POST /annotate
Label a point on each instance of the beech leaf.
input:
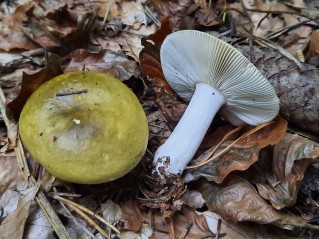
(237, 200)
(241, 155)
(291, 157)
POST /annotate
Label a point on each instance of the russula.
(212, 75)
(84, 127)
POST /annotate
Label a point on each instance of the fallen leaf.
(13, 224)
(10, 30)
(241, 155)
(10, 173)
(37, 225)
(60, 30)
(150, 55)
(114, 64)
(30, 83)
(177, 11)
(291, 157)
(237, 200)
(313, 51)
(112, 212)
(171, 106)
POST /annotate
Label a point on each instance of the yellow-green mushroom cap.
(84, 127)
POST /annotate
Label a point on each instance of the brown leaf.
(30, 83)
(242, 154)
(150, 55)
(313, 51)
(291, 158)
(237, 200)
(10, 33)
(38, 33)
(136, 216)
(12, 227)
(171, 106)
(117, 65)
(60, 30)
(176, 10)
(10, 173)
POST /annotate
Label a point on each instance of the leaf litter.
(263, 177)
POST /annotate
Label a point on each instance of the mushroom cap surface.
(84, 127)
(189, 57)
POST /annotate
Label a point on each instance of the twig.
(88, 211)
(108, 8)
(274, 12)
(186, 231)
(257, 128)
(218, 228)
(150, 14)
(40, 197)
(251, 24)
(74, 219)
(219, 144)
(72, 93)
(88, 219)
(171, 228)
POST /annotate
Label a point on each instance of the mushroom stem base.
(175, 154)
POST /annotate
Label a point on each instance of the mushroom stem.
(184, 141)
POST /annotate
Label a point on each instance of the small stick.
(88, 211)
(72, 93)
(186, 231)
(229, 146)
(88, 219)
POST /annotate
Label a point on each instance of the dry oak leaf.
(241, 155)
(237, 200)
(291, 157)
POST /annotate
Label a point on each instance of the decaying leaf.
(12, 227)
(176, 10)
(237, 200)
(150, 55)
(187, 222)
(291, 158)
(241, 155)
(9, 172)
(171, 106)
(30, 83)
(60, 29)
(10, 30)
(312, 55)
(37, 225)
(114, 64)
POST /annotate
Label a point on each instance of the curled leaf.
(241, 155)
(114, 64)
(237, 200)
(291, 157)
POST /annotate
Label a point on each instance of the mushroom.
(84, 127)
(212, 75)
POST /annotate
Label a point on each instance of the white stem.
(184, 141)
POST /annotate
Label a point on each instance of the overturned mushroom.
(212, 75)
